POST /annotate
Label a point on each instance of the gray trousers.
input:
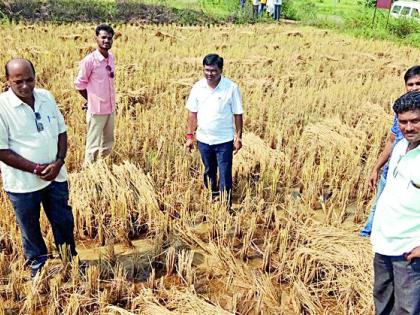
(100, 136)
(397, 286)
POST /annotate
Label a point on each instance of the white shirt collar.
(221, 84)
(16, 101)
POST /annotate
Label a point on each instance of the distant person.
(263, 4)
(33, 147)
(96, 83)
(412, 83)
(242, 3)
(215, 112)
(255, 8)
(396, 227)
(270, 7)
(277, 9)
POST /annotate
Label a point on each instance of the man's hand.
(39, 168)
(237, 145)
(373, 179)
(51, 171)
(415, 252)
(189, 144)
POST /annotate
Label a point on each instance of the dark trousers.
(242, 2)
(397, 286)
(27, 206)
(218, 156)
(255, 9)
(277, 11)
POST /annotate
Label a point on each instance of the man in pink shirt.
(95, 82)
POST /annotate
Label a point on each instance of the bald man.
(33, 147)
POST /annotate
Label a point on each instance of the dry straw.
(317, 110)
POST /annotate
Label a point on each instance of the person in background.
(411, 83)
(270, 7)
(242, 3)
(255, 8)
(96, 83)
(263, 4)
(277, 9)
(215, 112)
(396, 227)
(33, 148)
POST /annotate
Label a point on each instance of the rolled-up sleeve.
(4, 135)
(237, 108)
(82, 79)
(192, 102)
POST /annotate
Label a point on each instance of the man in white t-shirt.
(255, 8)
(277, 9)
(215, 114)
(396, 226)
(33, 147)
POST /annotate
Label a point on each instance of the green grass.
(336, 7)
(216, 8)
(225, 8)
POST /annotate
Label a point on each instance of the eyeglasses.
(110, 72)
(39, 125)
(28, 81)
(413, 84)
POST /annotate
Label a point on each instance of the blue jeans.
(396, 285)
(262, 8)
(255, 9)
(27, 206)
(242, 4)
(367, 229)
(218, 156)
(277, 11)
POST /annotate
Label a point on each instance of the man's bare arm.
(383, 158)
(84, 94)
(14, 160)
(237, 144)
(53, 169)
(191, 127)
(238, 125)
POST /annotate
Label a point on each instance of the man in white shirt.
(33, 146)
(255, 8)
(215, 112)
(277, 9)
(396, 225)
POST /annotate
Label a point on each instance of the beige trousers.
(100, 136)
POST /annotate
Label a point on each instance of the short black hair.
(213, 60)
(104, 27)
(412, 72)
(6, 66)
(409, 101)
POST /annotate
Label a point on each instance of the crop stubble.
(318, 107)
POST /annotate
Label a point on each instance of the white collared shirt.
(215, 109)
(19, 133)
(396, 225)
